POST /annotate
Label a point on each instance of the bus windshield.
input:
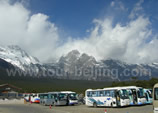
(73, 96)
(141, 93)
(156, 94)
(124, 94)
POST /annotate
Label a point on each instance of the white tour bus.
(35, 98)
(32, 97)
(113, 97)
(45, 99)
(136, 95)
(155, 98)
(53, 98)
(72, 97)
(27, 97)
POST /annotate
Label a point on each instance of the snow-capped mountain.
(108, 69)
(76, 65)
(16, 56)
(75, 59)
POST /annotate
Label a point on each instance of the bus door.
(62, 99)
(131, 97)
(118, 98)
(135, 98)
(147, 96)
(55, 99)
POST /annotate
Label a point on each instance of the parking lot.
(36, 108)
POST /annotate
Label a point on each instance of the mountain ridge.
(77, 66)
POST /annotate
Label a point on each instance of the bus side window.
(45, 96)
(138, 93)
(104, 93)
(130, 93)
(100, 93)
(49, 96)
(94, 93)
(107, 93)
(112, 93)
(52, 96)
(97, 93)
(88, 94)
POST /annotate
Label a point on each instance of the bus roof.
(68, 92)
(93, 89)
(116, 88)
(54, 92)
(131, 87)
(41, 93)
(110, 88)
(156, 85)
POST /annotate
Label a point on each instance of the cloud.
(34, 33)
(112, 4)
(127, 43)
(136, 10)
(40, 37)
(117, 5)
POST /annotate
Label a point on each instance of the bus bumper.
(155, 110)
(37, 101)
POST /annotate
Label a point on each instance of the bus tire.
(112, 106)
(95, 105)
(44, 104)
(53, 104)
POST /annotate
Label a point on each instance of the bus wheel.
(94, 104)
(44, 104)
(53, 104)
(112, 106)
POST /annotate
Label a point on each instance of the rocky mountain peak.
(73, 53)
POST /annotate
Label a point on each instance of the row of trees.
(135, 82)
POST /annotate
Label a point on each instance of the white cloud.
(118, 5)
(112, 4)
(137, 8)
(40, 37)
(34, 33)
(127, 43)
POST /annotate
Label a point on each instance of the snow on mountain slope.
(17, 57)
(73, 61)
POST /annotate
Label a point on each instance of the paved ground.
(17, 108)
(35, 108)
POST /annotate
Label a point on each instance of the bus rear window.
(156, 93)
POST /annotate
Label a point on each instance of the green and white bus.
(136, 95)
(113, 97)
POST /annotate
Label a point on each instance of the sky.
(106, 29)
